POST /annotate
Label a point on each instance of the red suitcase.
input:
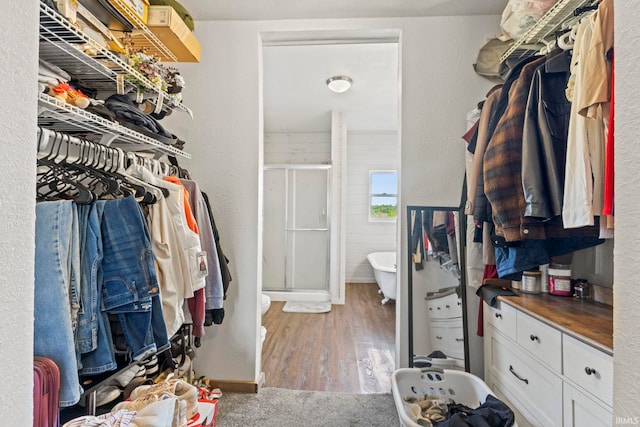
(46, 389)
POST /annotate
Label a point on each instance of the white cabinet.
(448, 337)
(446, 307)
(503, 318)
(532, 389)
(581, 410)
(546, 376)
(541, 341)
(445, 324)
(588, 368)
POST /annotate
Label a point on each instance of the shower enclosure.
(296, 236)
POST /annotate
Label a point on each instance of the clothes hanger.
(583, 9)
(89, 175)
(44, 173)
(127, 173)
(547, 48)
(62, 184)
(57, 179)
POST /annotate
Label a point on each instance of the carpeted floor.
(278, 407)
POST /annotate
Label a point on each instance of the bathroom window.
(383, 195)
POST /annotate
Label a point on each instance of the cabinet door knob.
(534, 337)
(446, 306)
(459, 303)
(438, 308)
(438, 338)
(459, 339)
(498, 316)
(524, 380)
(589, 370)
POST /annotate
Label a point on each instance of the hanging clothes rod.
(60, 147)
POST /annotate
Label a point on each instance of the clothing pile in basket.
(540, 154)
(135, 264)
(434, 411)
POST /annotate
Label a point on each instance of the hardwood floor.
(350, 349)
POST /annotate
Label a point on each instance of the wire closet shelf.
(62, 117)
(59, 44)
(559, 17)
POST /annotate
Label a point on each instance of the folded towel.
(490, 293)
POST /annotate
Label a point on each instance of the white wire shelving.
(559, 17)
(61, 43)
(57, 115)
(142, 35)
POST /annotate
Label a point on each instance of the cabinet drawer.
(503, 318)
(447, 307)
(504, 394)
(580, 410)
(448, 337)
(591, 369)
(540, 340)
(537, 388)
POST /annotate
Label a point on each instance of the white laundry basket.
(442, 363)
(459, 386)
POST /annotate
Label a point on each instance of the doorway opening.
(319, 149)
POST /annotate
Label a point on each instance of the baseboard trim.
(233, 386)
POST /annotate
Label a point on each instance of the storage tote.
(459, 386)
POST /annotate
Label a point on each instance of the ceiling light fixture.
(339, 84)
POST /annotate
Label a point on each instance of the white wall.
(438, 87)
(18, 72)
(367, 151)
(626, 392)
(297, 147)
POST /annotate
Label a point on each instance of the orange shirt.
(191, 221)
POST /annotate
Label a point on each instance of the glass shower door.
(296, 228)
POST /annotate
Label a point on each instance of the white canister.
(516, 284)
(531, 282)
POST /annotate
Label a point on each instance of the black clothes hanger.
(63, 186)
(90, 177)
(181, 173)
(56, 182)
(583, 9)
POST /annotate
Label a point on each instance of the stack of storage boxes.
(167, 25)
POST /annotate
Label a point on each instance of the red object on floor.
(46, 390)
(206, 416)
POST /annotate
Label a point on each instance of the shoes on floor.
(151, 365)
(181, 389)
(104, 395)
(127, 375)
(135, 383)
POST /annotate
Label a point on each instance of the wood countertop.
(587, 321)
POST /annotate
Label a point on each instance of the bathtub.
(384, 269)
